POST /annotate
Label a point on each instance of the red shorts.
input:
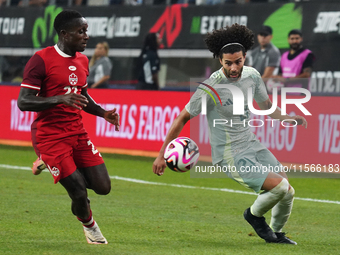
(63, 156)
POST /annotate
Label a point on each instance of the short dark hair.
(266, 30)
(240, 37)
(295, 32)
(64, 19)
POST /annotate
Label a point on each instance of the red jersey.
(51, 72)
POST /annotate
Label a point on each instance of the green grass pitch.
(141, 218)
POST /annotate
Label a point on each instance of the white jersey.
(235, 136)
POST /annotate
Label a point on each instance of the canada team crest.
(73, 79)
(54, 170)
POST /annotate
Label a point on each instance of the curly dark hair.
(150, 42)
(230, 34)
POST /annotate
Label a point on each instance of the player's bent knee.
(282, 188)
(103, 189)
(291, 192)
(78, 195)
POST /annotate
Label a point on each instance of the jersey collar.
(60, 52)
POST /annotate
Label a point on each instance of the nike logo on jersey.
(72, 68)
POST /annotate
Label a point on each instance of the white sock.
(268, 199)
(281, 211)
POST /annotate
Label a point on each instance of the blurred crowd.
(25, 3)
(265, 58)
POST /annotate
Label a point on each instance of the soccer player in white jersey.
(236, 145)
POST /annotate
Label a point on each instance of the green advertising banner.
(181, 26)
(184, 26)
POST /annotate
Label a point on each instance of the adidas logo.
(229, 102)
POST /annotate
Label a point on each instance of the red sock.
(89, 222)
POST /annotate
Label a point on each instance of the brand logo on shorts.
(73, 79)
(72, 68)
(54, 171)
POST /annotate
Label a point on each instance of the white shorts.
(250, 168)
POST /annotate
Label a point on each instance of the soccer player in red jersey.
(55, 86)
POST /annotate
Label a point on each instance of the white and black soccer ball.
(181, 154)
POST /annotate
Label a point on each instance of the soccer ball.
(181, 154)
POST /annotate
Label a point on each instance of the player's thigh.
(97, 178)
(90, 163)
(268, 160)
(272, 180)
(75, 185)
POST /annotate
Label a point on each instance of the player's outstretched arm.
(29, 101)
(174, 131)
(266, 105)
(300, 120)
(93, 108)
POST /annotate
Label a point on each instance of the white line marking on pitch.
(184, 186)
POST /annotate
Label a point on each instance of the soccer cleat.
(38, 166)
(93, 235)
(281, 238)
(260, 226)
